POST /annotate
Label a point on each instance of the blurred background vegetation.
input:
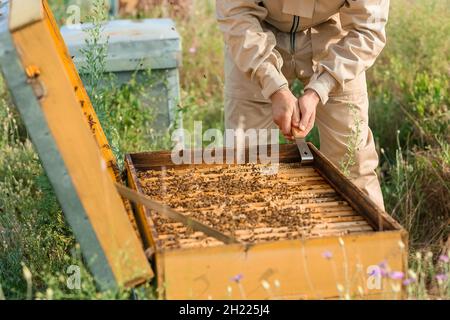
(409, 95)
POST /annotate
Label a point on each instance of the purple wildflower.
(444, 258)
(441, 277)
(383, 268)
(376, 272)
(408, 281)
(237, 278)
(327, 255)
(396, 275)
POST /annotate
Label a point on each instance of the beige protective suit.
(328, 45)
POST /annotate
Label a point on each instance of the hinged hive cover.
(55, 109)
(132, 44)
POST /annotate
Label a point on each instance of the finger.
(285, 125)
(290, 138)
(312, 119)
(299, 133)
(276, 121)
(305, 118)
(296, 116)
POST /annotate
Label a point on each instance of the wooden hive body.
(344, 223)
(276, 263)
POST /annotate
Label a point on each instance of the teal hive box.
(136, 46)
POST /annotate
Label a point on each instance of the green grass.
(409, 116)
(409, 90)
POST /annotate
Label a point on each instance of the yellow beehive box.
(317, 234)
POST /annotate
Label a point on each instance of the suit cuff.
(270, 79)
(322, 84)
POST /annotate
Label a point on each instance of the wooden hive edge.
(14, 56)
(378, 218)
(336, 244)
(148, 232)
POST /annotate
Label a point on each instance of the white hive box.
(138, 46)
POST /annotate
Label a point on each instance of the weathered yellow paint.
(86, 105)
(81, 94)
(297, 266)
(41, 48)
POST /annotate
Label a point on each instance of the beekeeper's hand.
(307, 104)
(285, 111)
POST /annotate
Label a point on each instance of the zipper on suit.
(293, 36)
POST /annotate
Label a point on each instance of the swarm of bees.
(239, 200)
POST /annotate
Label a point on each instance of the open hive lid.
(64, 128)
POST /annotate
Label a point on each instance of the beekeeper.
(326, 44)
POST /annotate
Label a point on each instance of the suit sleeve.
(251, 48)
(364, 21)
